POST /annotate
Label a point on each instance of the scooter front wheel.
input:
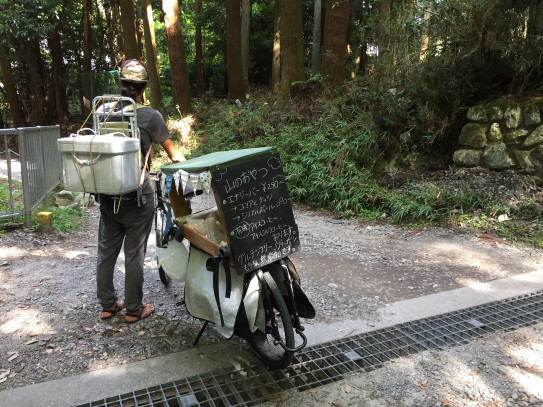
(274, 346)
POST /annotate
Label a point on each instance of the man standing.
(131, 221)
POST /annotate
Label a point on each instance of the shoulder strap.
(138, 106)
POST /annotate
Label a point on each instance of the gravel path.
(50, 326)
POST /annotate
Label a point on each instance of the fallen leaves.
(168, 342)
(42, 368)
(484, 237)
(112, 331)
(4, 374)
(347, 389)
(422, 384)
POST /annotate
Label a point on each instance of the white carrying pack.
(174, 260)
(100, 164)
(200, 298)
(107, 158)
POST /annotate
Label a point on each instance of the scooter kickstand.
(200, 334)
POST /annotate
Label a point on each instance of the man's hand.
(177, 157)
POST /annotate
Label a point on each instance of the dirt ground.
(50, 326)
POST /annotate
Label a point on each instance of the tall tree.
(234, 65)
(150, 53)
(245, 35)
(276, 57)
(292, 57)
(317, 37)
(176, 52)
(198, 5)
(87, 50)
(57, 76)
(335, 40)
(425, 36)
(535, 20)
(31, 53)
(128, 23)
(15, 108)
(114, 31)
(383, 35)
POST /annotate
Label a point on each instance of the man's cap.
(133, 70)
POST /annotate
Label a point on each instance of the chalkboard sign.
(257, 212)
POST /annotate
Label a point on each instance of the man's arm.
(174, 154)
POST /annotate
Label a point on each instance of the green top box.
(217, 160)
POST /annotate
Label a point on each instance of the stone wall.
(503, 135)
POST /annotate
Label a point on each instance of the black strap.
(212, 265)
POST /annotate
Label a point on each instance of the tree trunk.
(57, 76)
(245, 35)
(30, 51)
(276, 59)
(292, 57)
(198, 49)
(363, 59)
(150, 51)
(86, 77)
(128, 23)
(425, 37)
(383, 36)
(234, 65)
(2, 122)
(383, 39)
(317, 37)
(335, 40)
(102, 49)
(176, 51)
(535, 21)
(111, 8)
(15, 108)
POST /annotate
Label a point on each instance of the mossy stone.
(515, 137)
(513, 116)
(473, 135)
(477, 114)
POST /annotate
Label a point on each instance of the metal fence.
(35, 170)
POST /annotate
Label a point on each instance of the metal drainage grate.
(333, 361)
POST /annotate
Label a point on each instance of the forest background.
(360, 97)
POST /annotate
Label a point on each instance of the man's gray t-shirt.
(152, 130)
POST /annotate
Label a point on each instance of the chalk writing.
(257, 212)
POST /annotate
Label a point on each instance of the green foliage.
(65, 219)
(25, 18)
(328, 147)
(5, 205)
(16, 193)
(328, 153)
(537, 238)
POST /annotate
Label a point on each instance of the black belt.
(125, 197)
(131, 196)
(212, 265)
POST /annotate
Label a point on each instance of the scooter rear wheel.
(266, 345)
